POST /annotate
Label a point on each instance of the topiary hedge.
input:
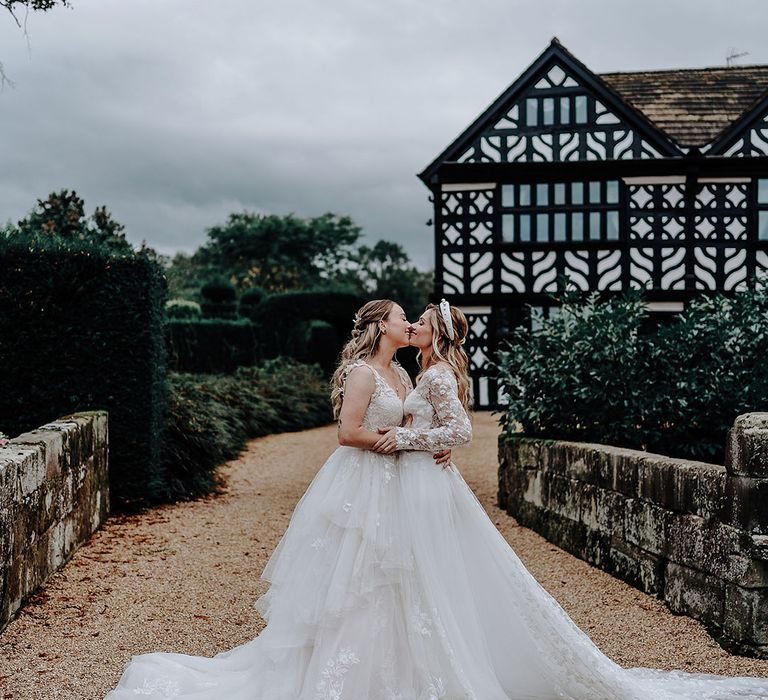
(209, 345)
(183, 309)
(82, 329)
(219, 299)
(599, 372)
(285, 328)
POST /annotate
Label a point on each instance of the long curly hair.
(364, 343)
(450, 351)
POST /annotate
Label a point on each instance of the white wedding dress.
(391, 583)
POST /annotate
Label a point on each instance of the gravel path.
(183, 578)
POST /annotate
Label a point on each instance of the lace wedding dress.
(502, 636)
(391, 583)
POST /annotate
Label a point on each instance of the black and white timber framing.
(655, 179)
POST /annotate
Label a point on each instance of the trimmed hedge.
(599, 372)
(308, 326)
(183, 309)
(212, 416)
(211, 345)
(82, 329)
(285, 330)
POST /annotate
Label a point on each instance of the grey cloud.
(175, 113)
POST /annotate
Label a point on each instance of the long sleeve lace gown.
(502, 636)
(391, 583)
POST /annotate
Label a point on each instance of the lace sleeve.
(452, 428)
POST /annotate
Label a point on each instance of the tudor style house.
(653, 179)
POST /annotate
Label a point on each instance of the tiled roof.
(692, 106)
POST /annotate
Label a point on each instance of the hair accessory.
(445, 312)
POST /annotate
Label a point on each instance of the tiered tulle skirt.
(391, 583)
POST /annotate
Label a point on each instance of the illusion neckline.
(389, 386)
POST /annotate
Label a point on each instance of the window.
(563, 212)
(577, 226)
(508, 227)
(532, 111)
(560, 227)
(762, 204)
(762, 191)
(594, 226)
(525, 227)
(762, 226)
(581, 109)
(549, 110)
(542, 227)
(612, 225)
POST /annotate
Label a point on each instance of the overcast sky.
(174, 113)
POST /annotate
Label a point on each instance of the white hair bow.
(445, 312)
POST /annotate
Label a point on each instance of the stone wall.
(691, 533)
(53, 495)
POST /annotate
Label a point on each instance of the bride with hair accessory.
(503, 637)
(391, 582)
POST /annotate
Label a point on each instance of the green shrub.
(709, 366)
(212, 416)
(285, 328)
(251, 299)
(182, 309)
(211, 345)
(591, 374)
(219, 299)
(218, 290)
(298, 393)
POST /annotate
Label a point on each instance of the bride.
(502, 635)
(390, 581)
(334, 609)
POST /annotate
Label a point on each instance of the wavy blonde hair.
(450, 351)
(364, 342)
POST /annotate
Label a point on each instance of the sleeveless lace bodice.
(385, 407)
(439, 419)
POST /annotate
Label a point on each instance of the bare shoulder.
(360, 377)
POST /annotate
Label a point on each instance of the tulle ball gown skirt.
(341, 579)
(391, 583)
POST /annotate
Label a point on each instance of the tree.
(186, 275)
(279, 253)
(384, 271)
(62, 215)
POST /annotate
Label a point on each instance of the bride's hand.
(387, 442)
(443, 457)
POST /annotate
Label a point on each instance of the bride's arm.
(453, 425)
(358, 390)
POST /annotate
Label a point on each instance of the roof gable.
(500, 117)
